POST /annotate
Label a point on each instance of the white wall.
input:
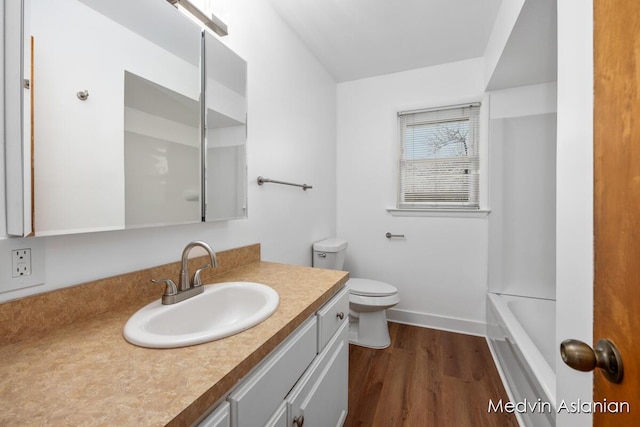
(292, 102)
(440, 268)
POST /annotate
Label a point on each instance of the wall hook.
(83, 95)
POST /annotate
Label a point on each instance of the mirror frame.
(17, 138)
(231, 84)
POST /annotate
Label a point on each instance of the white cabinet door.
(221, 417)
(279, 418)
(320, 399)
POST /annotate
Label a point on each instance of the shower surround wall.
(522, 244)
(522, 224)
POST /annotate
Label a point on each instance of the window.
(439, 158)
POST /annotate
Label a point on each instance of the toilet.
(368, 299)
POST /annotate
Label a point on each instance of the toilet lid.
(371, 288)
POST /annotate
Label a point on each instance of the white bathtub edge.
(505, 382)
(533, 357)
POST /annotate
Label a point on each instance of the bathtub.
(521, 334)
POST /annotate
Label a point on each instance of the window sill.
(443, 213)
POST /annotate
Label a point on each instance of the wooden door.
(617, 201)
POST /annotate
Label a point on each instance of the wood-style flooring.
(425, 377)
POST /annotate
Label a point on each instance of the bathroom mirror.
(121, 138)
(116, 115)
(161, 155)
(225, 116)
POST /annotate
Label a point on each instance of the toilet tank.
(329, 253)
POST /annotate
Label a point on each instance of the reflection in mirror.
(161, 155)
(226, 132)
(107, 48)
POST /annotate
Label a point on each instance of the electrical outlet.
(21, 262)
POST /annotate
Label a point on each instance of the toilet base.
(369, 329)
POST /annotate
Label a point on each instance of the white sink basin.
(222, 310)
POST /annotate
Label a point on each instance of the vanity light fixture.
(212, 22)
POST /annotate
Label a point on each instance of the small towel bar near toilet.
(390, 236)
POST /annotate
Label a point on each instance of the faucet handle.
(171, 288)
(197, 280)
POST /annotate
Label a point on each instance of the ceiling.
(356, 39)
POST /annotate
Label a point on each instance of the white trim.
(80, 230)
(485, 158)
(428, 105)
(446, 213)
(448, 107)
(17, 132)
(425, 320)
(574, 199)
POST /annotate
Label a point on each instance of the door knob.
(582, 357)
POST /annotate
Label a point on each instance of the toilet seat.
(362, 303)
(370, 288)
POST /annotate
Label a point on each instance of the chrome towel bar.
(262, 180)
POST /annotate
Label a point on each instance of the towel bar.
(262, 180)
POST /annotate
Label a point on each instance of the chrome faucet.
(186, 289)
(184, 283)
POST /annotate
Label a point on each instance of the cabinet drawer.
(333, 314)
(260, 394)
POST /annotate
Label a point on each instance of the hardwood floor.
(425, 377)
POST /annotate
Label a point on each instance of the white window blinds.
(439, 166)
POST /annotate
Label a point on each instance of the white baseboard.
(425, 320)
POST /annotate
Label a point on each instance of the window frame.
(474, 205)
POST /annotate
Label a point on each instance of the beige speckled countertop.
(85, 373)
